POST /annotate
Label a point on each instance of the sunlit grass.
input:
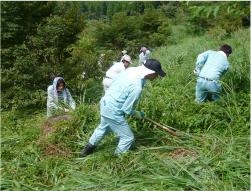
(217, 158)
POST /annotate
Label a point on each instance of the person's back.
(114, 70)
(215, 66)
(117, 68)
(117, 95)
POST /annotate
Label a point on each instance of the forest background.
(41, 40)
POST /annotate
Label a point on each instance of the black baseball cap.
(154, 65)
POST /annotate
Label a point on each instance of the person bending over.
(119, 100)
(59, 97)
(210, 66)
(143, 55)
(116, 68)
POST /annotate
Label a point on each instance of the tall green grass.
(217, 158)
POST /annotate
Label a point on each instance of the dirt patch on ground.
(48, 148)
(181, 154)
(48, 129)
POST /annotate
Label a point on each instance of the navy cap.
(154, 65)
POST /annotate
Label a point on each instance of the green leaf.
(237, 12)
(209, 11)
(228, 9)
(216, 10)
(193, 8)
(233, 11)
(197, 168)
(17, 184)
(241, 3)
(199, 10)
(242, 13)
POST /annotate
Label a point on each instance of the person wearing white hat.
(116, 68)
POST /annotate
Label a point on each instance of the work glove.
(139, 114)
(66, 110)
(196, 72)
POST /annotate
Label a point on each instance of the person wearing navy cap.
(122, 95)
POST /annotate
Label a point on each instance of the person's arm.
(140, 58)
(71, 101)
(225, 70)
(147, 56)
(51, 102)
(61, 108)
(202, 58)
(133, 96)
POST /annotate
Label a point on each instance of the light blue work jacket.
(143, 57)
(215, 64)
(123, 94)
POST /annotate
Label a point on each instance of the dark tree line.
(35, 41)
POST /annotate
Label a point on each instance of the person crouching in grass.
(59, 97)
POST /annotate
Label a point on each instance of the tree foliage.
(237, 8)
(30, 62)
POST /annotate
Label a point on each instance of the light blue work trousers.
(120, 127)
(204, 87)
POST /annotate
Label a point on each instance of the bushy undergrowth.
(217, 158)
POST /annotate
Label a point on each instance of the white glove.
(196, 72)
(139, 114)
(66, 110)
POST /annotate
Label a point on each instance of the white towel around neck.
(223, 53)
(139, 72)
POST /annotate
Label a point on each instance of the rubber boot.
(88, 150)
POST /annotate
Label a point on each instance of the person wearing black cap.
(119, 100)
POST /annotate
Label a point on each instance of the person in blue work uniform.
(214, 65)
(143, 55)
(119, 100)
